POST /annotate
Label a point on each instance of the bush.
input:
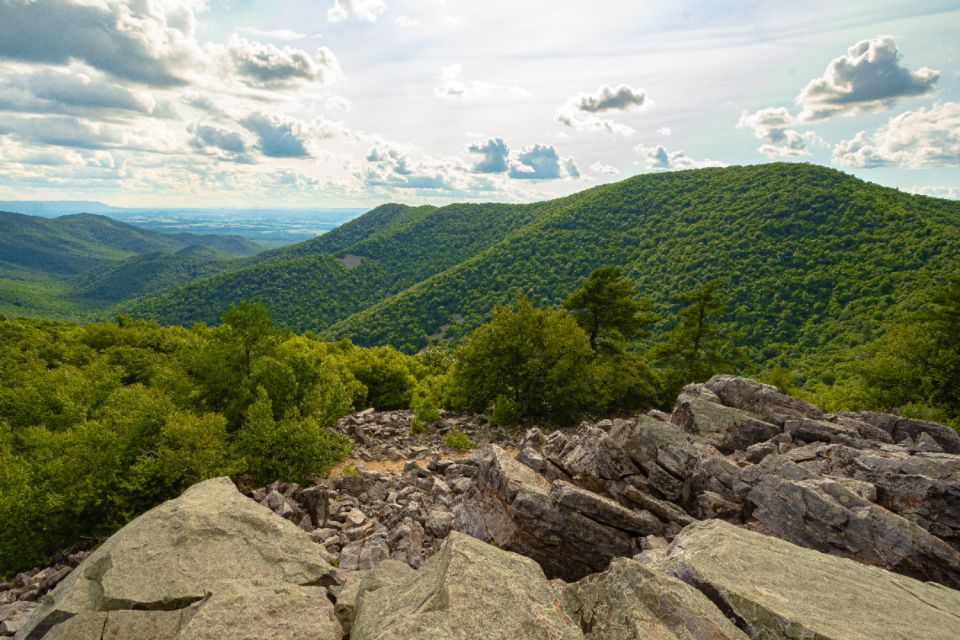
(539, 359)
(291, 450)
(507, 412)
(458, 440)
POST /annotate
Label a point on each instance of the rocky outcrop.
(629, 601)
(744, 512)
(774, 589)
(201, 566)
(468, 590)
(570, 531)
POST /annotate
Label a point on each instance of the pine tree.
(608, 309)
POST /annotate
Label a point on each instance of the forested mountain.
(75, 265)
(815, 259)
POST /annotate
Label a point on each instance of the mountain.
(53, 208)
(43, 261)
(815, 259)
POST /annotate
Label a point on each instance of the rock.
(14, 615)
(900, 428)
(518, 509)
(822, 514)
(774, 589)
(468, 590)
(729, 428)
(763, 400)
(631, 602)
(210, 555)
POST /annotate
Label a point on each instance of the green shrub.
(507, 412)
(458, 440)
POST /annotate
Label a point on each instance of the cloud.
(205, 103)
(659, 158)
(774, 125)
(64, 131)
(495, 153)
(581, 122)
(921, 138)
(279, 137)
(391, 166)
(623, 98)
(152, 43)
(365, 10)
(605, 169)
(206, 137)
(541, 162)
(266, 65)
(869, 77)
(276, 34)
(579, 111)
(665, 131)
(937, 191)
(68, 92)
(453, 87)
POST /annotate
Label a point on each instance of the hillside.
(816, 259)
(72, 265)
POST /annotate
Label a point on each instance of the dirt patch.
(351, 261)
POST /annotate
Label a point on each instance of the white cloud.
(579, 111)
(937, 191)
(921, 138)
(275, 34)
(623, 98)
(605, 169)
(659, 158)
(869, 77)
(279, 138)
(223, 143)
(495, 153)
(365, 10)
(541, 162)
(665, 131)
(452, 86)
(774, 125)
(589, 122)
(266, 65)
(152, 43)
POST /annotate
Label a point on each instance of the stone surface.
(520, 511)
(775, 589)
(468, 590)
(211, 553)
(628, 601)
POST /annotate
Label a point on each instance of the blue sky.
(356, 102)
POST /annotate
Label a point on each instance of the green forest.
(100, 422)
(131, 366)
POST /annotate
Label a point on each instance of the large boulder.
(728, 428)
(570, 531)
(210, 564)
(629, 601)
(774, 589)
(468, 590)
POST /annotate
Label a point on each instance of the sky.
(337, 103)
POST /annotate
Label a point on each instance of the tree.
(537, 359)
(607, 308)
(700, 344)
(250, 327)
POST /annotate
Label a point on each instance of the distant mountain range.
(816, 260)
(73, 265)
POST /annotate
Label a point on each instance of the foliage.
(700, 344)
(458, 441)
(426, 404)
(538, 359)
(912, 369)
(607, 308)
(291, 450)
(99, 423)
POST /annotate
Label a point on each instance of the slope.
(318, 282)
(815, 258)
